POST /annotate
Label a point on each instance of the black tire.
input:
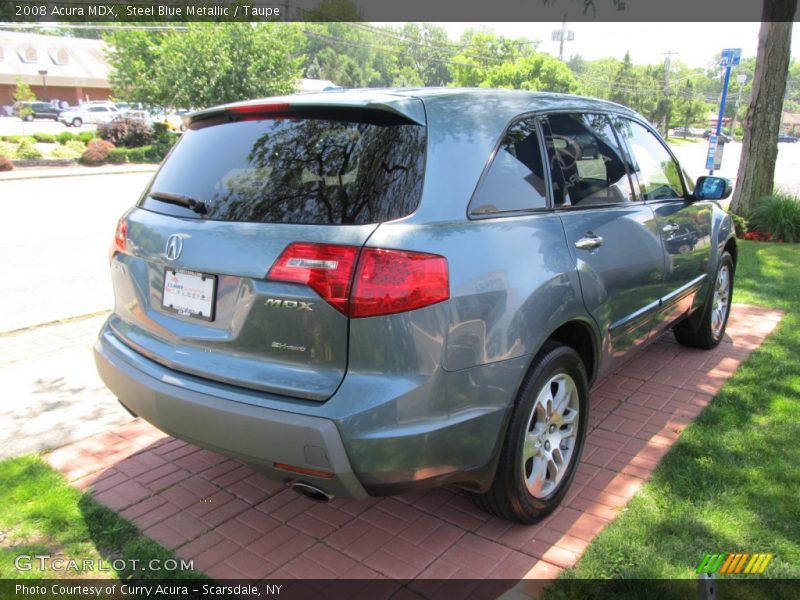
(509, 496)
(29, 118)
(709, 333)
(77, 122)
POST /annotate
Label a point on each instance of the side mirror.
(712, 188)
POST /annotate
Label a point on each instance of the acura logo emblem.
(174, 247)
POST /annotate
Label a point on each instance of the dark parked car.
(723, 137)
(38, 110)
(785, 137)
(687, 131)
(373, 292)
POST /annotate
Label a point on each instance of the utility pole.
(667, 67)
(562, 35)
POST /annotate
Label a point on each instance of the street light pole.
(43, 73)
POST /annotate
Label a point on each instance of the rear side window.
(515, 179)
(586, 161)
(295, 170)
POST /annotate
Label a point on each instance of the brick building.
(63, 68)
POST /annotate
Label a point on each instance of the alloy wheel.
(551, 435)
(721, 303)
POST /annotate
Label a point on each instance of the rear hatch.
(236, 263)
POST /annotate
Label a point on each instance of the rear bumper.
(255, 434)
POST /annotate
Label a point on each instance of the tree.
(24, 93)
(689, 105)
(539, 72)
(481, 50)
(133, 56)
(229, 62)
(425, 49)
(756, 177)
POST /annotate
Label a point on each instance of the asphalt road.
(787, 167)
(54, 239)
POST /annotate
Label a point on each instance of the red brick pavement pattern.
(234, 523)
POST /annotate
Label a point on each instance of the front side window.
(657, 172)
(586, 162)
(515, 179)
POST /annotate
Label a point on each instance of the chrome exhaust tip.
(311, 491)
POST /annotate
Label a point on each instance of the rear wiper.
(197, 206)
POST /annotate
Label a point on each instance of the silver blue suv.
(371, 292)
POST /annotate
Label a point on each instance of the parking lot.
(15, 126)
(693, 158)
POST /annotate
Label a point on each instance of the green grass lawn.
(676, 140)
(732, 481)
(40, 513)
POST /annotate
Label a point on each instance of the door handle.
(589, 242)
(670, 228)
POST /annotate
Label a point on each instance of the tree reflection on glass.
(319, 171)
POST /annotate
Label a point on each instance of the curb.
(42, 173)
(62, 321)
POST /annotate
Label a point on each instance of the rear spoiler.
(405, 108)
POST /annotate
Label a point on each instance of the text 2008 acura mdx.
(370, 292)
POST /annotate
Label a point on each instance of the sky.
(695, 43)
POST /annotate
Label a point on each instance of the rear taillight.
(393, 281)
(120, 237)
(384, 282)
(325, 268)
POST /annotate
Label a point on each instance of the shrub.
(778, 216)
(86, 136)
(739, 224)
(96, 152)
(125, 131)
(7, 149)
(6, 164)
(66, 136)
(64, 152)
(18, 139)
(162, 148)
(161, 130)
(45, 138)
(27, 151)
(138, 155)
(118, 155)
(76, 146)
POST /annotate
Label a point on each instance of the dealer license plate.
(189, 293)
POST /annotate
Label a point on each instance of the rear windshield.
(294, 170)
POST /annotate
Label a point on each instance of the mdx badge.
(296, 304)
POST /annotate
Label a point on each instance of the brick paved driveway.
(236, 524)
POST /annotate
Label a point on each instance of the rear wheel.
(77, 122)
(544, 440)
(29, 117)
(716, 311)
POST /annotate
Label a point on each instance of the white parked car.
(92, 113)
